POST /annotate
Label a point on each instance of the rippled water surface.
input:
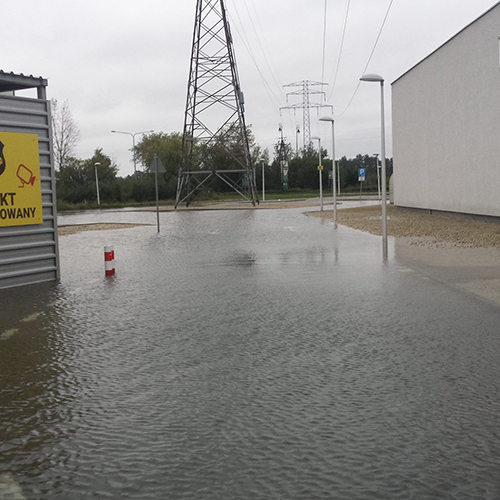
(245, 355)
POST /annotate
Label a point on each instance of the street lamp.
(371, 77)
(320, 168)
(96, 164)
(378, 172)
(263, 183)
(332, 121)
(133, 141)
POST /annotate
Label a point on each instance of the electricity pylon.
(214, 121)
(306, 105)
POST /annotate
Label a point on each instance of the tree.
(168, 148)
(227, 150)
(76, 180)
(65, 133)
(303, 172)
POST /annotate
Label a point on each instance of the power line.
(324, 45)
(378, 37)
(370, 58)
(271, 69)
(246, 43)
(344, 28)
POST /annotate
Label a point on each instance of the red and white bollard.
(109, 260)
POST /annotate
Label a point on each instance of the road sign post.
(361, 178)
(157, 166)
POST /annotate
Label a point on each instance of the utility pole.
(214, 110)
(305, 91)
(377, 168)
(283, 159)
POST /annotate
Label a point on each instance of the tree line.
(76, 178)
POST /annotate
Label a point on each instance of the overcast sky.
(123, 65)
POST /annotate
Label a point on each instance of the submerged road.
(245, 355)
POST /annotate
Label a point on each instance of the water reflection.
(241, 258)
(246, 355)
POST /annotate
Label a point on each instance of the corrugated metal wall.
(29, 254)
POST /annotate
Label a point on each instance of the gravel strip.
(65, 230)
(421, 229)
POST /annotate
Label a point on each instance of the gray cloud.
(124, 65)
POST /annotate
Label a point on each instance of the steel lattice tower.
(214, 117)
(306, 105)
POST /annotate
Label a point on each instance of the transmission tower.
(214, 119)
(306, 105)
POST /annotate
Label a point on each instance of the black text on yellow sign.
(20, 186)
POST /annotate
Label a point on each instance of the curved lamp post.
(133, 141)
(320, 167)
(372, 77)
(334, 173)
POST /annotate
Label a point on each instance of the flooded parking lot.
(245, 354)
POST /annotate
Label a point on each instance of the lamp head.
(372, 77)
(326, 119)
(316, 138)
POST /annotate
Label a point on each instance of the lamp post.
(371, 77)
(378, 173)
(320, 168)
(263, 184)
(133, 141)
(96, 164)
(332, 121)
(297, 132)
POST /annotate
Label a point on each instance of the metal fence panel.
(29, 254)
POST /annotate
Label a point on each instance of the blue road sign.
(361, 174)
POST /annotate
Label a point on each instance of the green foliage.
(76, 184)
(168, 147)
(349, 172)
(227, 151)
(303, 171)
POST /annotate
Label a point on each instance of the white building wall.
(446, 125)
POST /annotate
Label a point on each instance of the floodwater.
(245, 355)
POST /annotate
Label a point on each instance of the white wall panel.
(446, 125)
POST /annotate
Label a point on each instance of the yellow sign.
(20, 186)
(320, 167)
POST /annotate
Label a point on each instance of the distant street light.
(133, 141)
(332, 121)
(263, 183)
(96, 164)
(320, 168)
(371, 77)
(297, 132)
(378, 172)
